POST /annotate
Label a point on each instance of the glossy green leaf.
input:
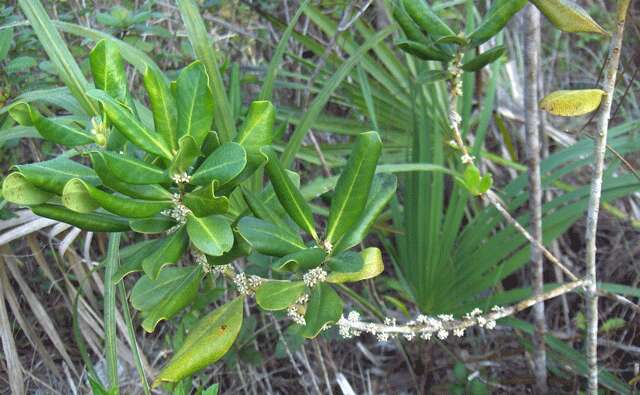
(212, 235)
(288, 195)
(324, 308)
(163, 106)
(257, 131)
(203, 201)
(274, 295)
(16, 189)
(211, 143)
(206, 343)
(346, 262)
(383, 189)
(132, 263)
(162, 298)
(424, 17)
(262, 210)
(372, 267)
(157, 224)
(188, 152)
(194, 102)
(77, 195)
(495, 20)
(268, 238)
(300, 261)
(457, 40)
(53, 131)
(424, 52)
(222, 166)
(145, 192)
(568, 16)
(354, 184)
(130, 126)
(52, 175)
(241, 248)
(167, 251)
(108, 71)
(484, 59)
(134, 171)
(408, 26)
(95, 222)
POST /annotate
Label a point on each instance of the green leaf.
(134, 171)
(372, 267)
(257, 131)
(206, 53)
(222, 166)
(484, 59)
(383, 189)
(354, 184)
(188, 152)
(571, 103)
(274, 295)
(568, 16)
(16, 189)
(163, 106)
(194, 103)
(324, 308)
(157, 224)
(82, 197)
(132, 263)
(262, 210)
(241, 248)
(212, 235)
(130, 126)
(94, 222)
(108, 71)
(424, 17)
(167, 251)
(163, 298)
(146, 192)
(76, 197)
(346, 262)
(53, 131)
(497, 17)
(269, 239)
(300, 261)
(288, 195)
(206, 343)
(6, 38)
(203, 201)
(424, 52)
(52, 175)
(408, 26)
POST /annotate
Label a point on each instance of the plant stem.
(532, 121)
(110, 335)
(594, 198)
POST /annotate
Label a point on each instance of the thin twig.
(594, 198)
(532, 54)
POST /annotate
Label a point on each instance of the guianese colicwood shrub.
(162, 172)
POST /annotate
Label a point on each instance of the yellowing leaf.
(568, 16)
(571, 103)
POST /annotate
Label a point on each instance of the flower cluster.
(314, 277)
(201, 260)
(296, 310)
(246, 284)
(179, 212)
(181, 178)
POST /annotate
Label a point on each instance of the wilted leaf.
(571, 103)
(16, 189)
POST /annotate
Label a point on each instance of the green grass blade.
(110, 330)
(205, 53)
(323, 97)
(267, 86)
(54, 46)
(131, 332)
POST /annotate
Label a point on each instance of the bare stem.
(608, 86)
(532, 120)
